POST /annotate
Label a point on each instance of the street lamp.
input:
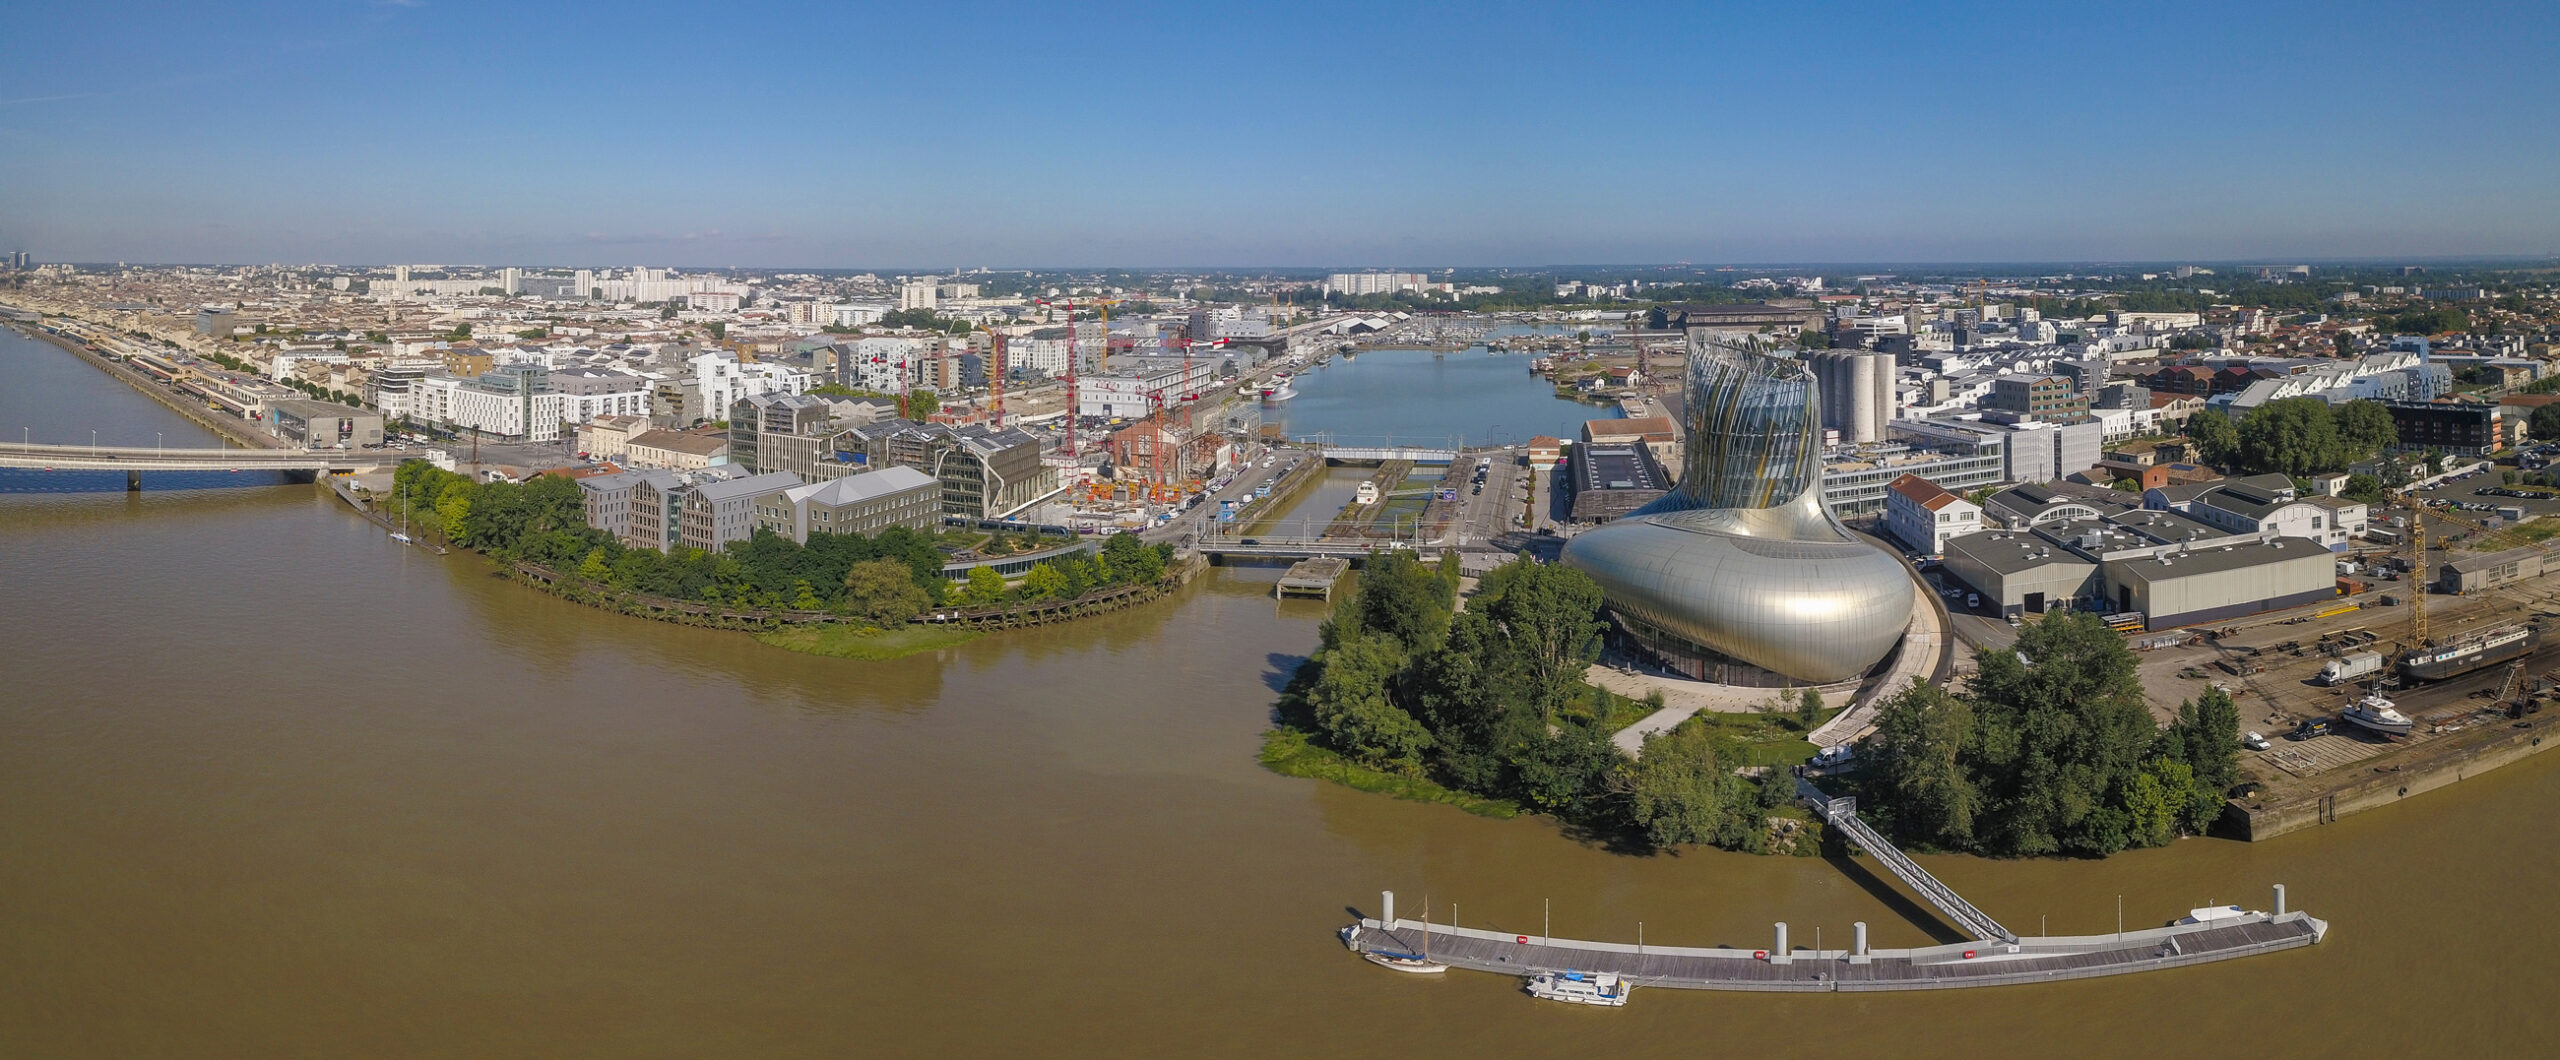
(93, 441)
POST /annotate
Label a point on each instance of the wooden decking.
(2030, 960)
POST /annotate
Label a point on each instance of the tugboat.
(1581, 988)
(2379, 715)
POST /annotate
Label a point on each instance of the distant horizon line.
(1767, 266)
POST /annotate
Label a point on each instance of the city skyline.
(1149, 137)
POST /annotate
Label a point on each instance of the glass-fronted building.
(1741, 574)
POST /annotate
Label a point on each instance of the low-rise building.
(2472, 572)
(867, 503)
(1656, 433)
(677, 450)
(2209, 584)
(2451, 426)
(1924, 516)
(609, 437)
(1545, 453)
(608, 503)
(1612, 481)
(714, 514)
(324, 425)
(2265, 503)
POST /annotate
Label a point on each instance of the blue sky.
(930, 134)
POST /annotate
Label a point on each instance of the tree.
(1549, 617)
(985, 588)
(2215, 437)
(1043, 582)
(2365, 488)
(1917, 761)
(2061, 729)
(2366, 428)
(1680, 792)
(1809, 707)
(2545, 424)
(1352, 709)
(1132, 560)
(883, 592)
(719, 329)
(594, 568)
(2292, 436)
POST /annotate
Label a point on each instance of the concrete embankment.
(230, 429)
(2451, 761)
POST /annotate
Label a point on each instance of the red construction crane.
(1074, 397)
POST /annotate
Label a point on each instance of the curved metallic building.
(1742, 561)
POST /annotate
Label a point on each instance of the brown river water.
(273, 785)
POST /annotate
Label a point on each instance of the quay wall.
(2374, 786)
(234, 431)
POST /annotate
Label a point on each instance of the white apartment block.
(1134, 396)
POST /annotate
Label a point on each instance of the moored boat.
(2470, 652)
(2379, 715)
(1581, 988)
(1413, 963)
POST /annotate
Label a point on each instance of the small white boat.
(401, 536)
(1283, 392)
(1414, 963)
(2378, 714)
(1581, 988)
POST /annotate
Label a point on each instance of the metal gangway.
(1843, 815)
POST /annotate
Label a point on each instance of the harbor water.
(271, 784)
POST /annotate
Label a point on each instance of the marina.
(1859, 968)
(1992, 955)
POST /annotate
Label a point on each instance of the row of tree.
(2050, 750)
(886, 578)
(2293, 436)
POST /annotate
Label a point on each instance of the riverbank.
(229, 429)
(2442, 763)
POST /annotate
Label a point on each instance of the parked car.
(2255, 742)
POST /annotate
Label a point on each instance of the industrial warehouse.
(2064, 551)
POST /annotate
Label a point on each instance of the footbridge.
(40, 457)
(1843, 815)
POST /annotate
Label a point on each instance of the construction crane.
(995, 376)
(1074, 396)
(2417, 568)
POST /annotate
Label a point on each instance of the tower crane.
(1074, 396)
(995, 376)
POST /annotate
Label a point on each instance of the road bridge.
(133, 461)
(1379, 454)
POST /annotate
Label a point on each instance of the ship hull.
(2468, 661)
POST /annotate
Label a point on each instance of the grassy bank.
(850, 642)
(1288, 753)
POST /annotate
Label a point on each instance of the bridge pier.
(133, 482)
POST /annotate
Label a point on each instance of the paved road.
(1193, 521)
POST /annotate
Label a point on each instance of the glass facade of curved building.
(1741, 574)
(1754, 432)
